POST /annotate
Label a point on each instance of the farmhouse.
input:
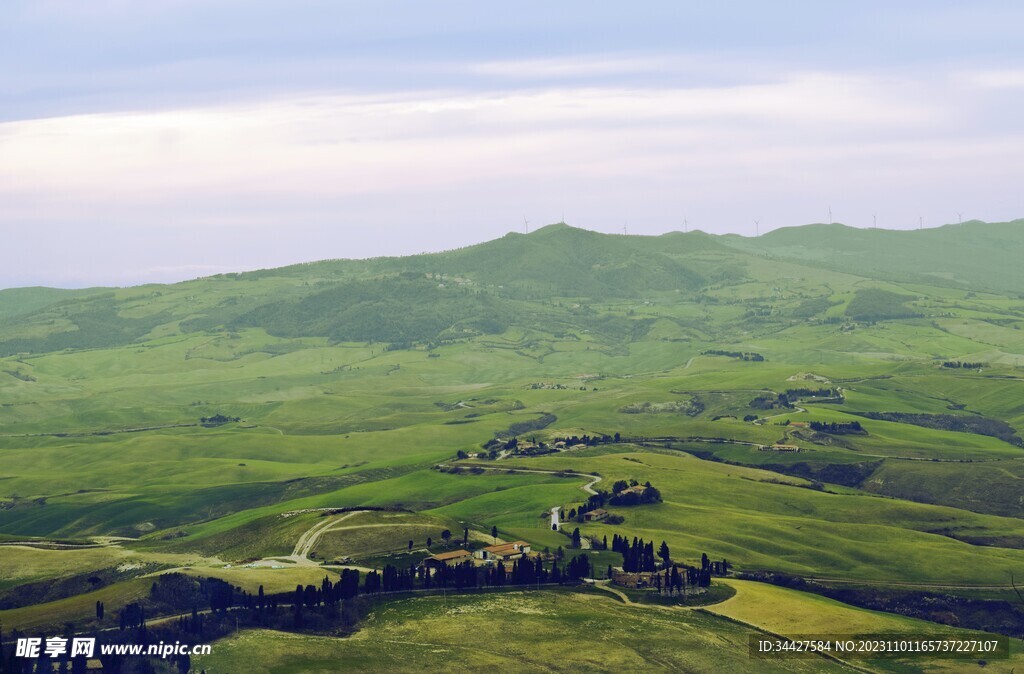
(637, 579)
(595, 515)
(504, 552)
(448, 558)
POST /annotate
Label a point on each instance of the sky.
(170, 139)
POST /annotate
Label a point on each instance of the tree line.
(837, 427)
(639, 556)
(211, 609)
(742, 355)
(786, 399)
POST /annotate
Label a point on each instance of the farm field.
(798, 418)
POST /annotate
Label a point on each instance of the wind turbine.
(830, 215)
(686, 225)
(920, 222)
(757, 228)
(526, 224)
(960, 218)
(874, 221)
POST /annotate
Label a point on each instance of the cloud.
(582, 66)
(995, 79)
(419, 140)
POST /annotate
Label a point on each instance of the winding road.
(588, 488)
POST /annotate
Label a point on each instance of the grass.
(25, 564)
(79, 610)
(769, 521)
(791, 613)
(539, 631)
(103, 437)
(373, 533)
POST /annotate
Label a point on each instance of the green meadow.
(540, 631)
(211, 424)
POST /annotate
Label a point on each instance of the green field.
(214, 425)
(522, 631)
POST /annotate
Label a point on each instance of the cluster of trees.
(953, 364)
(713, 568)
(466, 575)
(392, 579)
(625, 494)
(795, 394)
(589, 440)
(639, 556)
(520, 427)
(216, 610)
(838, 428)
(18, 374)
(786, 399)
(675, 578)
(768, 401)
(578, 568)
(742, 355)
(873, 304)
(218, 420)
(674, 582)
(512, 444)
(594, 501)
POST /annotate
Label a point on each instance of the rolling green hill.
(975, 255)
(210, 422)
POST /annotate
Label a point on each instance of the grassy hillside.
(213, 422)
(974, 255)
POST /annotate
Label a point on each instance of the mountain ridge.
(548, 277)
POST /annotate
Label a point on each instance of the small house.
(448, 558)
(503, 552)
